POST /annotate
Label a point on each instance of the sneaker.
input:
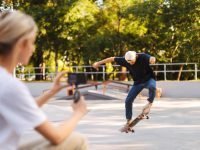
(128, 121)
(126, 127)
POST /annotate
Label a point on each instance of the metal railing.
(163, 70)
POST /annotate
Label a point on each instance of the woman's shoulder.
(10, 84)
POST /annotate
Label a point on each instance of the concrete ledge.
(180, 89)
(176, 89)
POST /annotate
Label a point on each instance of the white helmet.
(130, 55)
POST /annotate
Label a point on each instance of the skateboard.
(144, 115)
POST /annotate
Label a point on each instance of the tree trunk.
(37, 63)
(56, 61)
(179, 73)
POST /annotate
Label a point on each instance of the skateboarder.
(138, 65)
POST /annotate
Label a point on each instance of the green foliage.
(81, 32)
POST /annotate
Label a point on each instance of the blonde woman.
(19, 111)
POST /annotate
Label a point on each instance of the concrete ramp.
(94, 95)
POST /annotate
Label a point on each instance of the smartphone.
(77, 78)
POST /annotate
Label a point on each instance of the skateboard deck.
(144, 115)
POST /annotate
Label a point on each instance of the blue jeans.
(135, 90)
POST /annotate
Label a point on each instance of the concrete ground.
(174, 124)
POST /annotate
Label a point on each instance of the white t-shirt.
(18, 111)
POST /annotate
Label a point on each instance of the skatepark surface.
(174, 124)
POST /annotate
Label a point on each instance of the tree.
(81, 32)
(49, 16)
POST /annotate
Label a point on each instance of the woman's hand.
(80, 107)
(57, 86)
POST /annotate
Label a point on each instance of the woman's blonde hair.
(13, 26)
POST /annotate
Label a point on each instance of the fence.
(163, 71)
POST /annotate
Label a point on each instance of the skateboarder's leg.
(135, 90)
(151, 85)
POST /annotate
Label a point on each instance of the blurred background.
(73, 34)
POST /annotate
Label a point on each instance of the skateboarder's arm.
(107, 60)
(57, 134)
(152, 60)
